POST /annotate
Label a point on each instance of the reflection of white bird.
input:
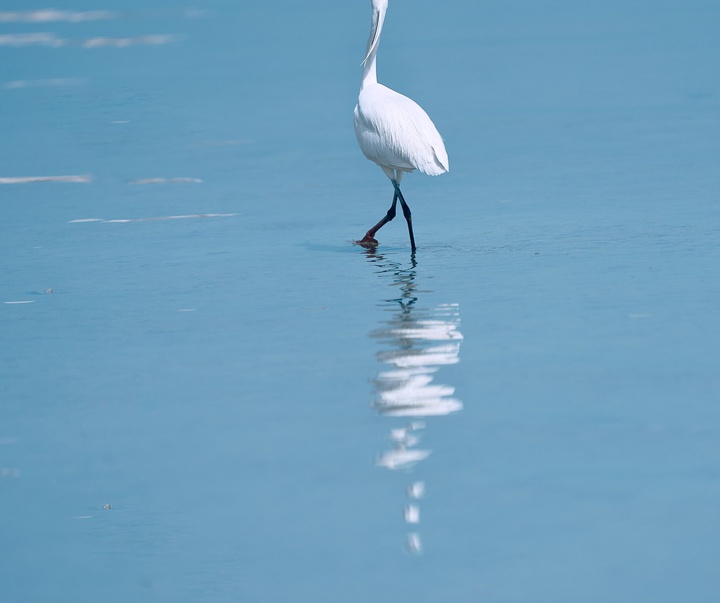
(394, 131)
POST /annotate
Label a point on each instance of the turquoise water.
(189, 338)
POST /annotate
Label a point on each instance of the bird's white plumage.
(394, 132)
(392, 129)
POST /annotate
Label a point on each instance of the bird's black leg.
(369, 238)
(406, 212)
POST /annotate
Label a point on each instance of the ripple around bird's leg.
(368, 242)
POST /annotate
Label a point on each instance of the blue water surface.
(209, 394)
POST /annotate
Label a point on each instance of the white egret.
(393, 131)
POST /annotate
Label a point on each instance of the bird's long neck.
(369, 64)
(369, 75)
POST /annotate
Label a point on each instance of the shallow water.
(189, 337)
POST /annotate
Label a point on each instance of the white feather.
(394, 132)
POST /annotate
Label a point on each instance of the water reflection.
(415, 342)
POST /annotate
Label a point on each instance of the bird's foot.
(368, 241)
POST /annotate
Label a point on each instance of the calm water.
(527, 410)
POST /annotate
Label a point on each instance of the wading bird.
(393, 131)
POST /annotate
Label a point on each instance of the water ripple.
(31, 179)
(51, 14)
(51, 83)
(50, 39)
(154, 219)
